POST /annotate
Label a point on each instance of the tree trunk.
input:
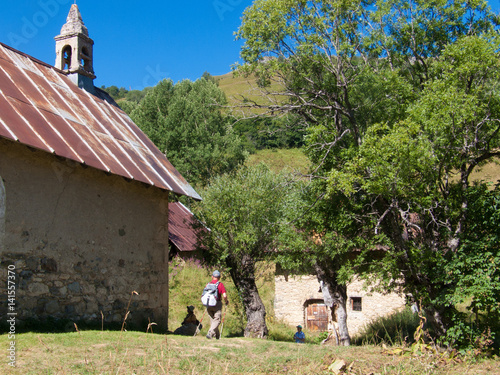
(335, 297)
(417, 282)
(243, 275)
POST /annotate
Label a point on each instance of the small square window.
(356, 304)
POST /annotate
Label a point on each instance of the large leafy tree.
(401, 104)
(420, 169)
(244, 211)
(321, 242)
(185, 121)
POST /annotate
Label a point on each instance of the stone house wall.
(81, 241)
(294, 293)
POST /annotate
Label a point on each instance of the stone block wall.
(81, 241)
(292, 294)
(373, 306)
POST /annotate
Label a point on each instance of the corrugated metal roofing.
(42, 108)
(180, 230)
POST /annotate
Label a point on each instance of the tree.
(420, 170)
(397, 97)
(185, 122)
(474, 268)
(244, 211)
(321, 242)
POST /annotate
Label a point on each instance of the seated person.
(299, 336)
(189, 324)
(190, 317)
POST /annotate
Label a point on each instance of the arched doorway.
(2, 214)
(316, 315)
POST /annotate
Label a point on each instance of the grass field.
(278, 159)
(103, 352)
(241, 91)
(131, 352)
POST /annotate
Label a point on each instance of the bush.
(395, 329)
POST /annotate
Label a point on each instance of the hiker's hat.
(216, 274)
(299, 326)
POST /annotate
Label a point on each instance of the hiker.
(215, 312)
(189, 324)
(299, 336)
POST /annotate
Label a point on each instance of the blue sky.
(137, 43)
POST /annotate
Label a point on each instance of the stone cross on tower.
(74, 50)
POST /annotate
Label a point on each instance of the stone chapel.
(84, 195)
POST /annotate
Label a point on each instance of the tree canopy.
(401, 103)
(185, 122)
(244, 211)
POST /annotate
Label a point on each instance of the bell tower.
(74, 51)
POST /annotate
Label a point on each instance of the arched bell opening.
(86, 60)
(66, 58)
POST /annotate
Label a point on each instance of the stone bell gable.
(84, 195)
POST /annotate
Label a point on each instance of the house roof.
(180, 231)
(42, 108)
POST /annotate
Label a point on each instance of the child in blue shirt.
(299, 336)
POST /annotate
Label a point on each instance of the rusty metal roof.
(42, 108)
(180, 230)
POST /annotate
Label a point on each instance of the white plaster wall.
(291, 295)
(374, 305)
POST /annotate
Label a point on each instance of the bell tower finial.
(74, 50)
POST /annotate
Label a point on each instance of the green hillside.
(292, 159)
(277, 157)
(239, 89)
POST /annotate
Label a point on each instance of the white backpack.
(210, 294)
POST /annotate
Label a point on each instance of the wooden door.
(317, 317)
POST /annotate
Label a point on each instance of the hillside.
(292, 159)
(241, 90)
(262, 149)
(237, 87)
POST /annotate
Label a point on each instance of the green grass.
(279, 159)
(395, 329)
(236, 86)
(241, 90)
(104, 352)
